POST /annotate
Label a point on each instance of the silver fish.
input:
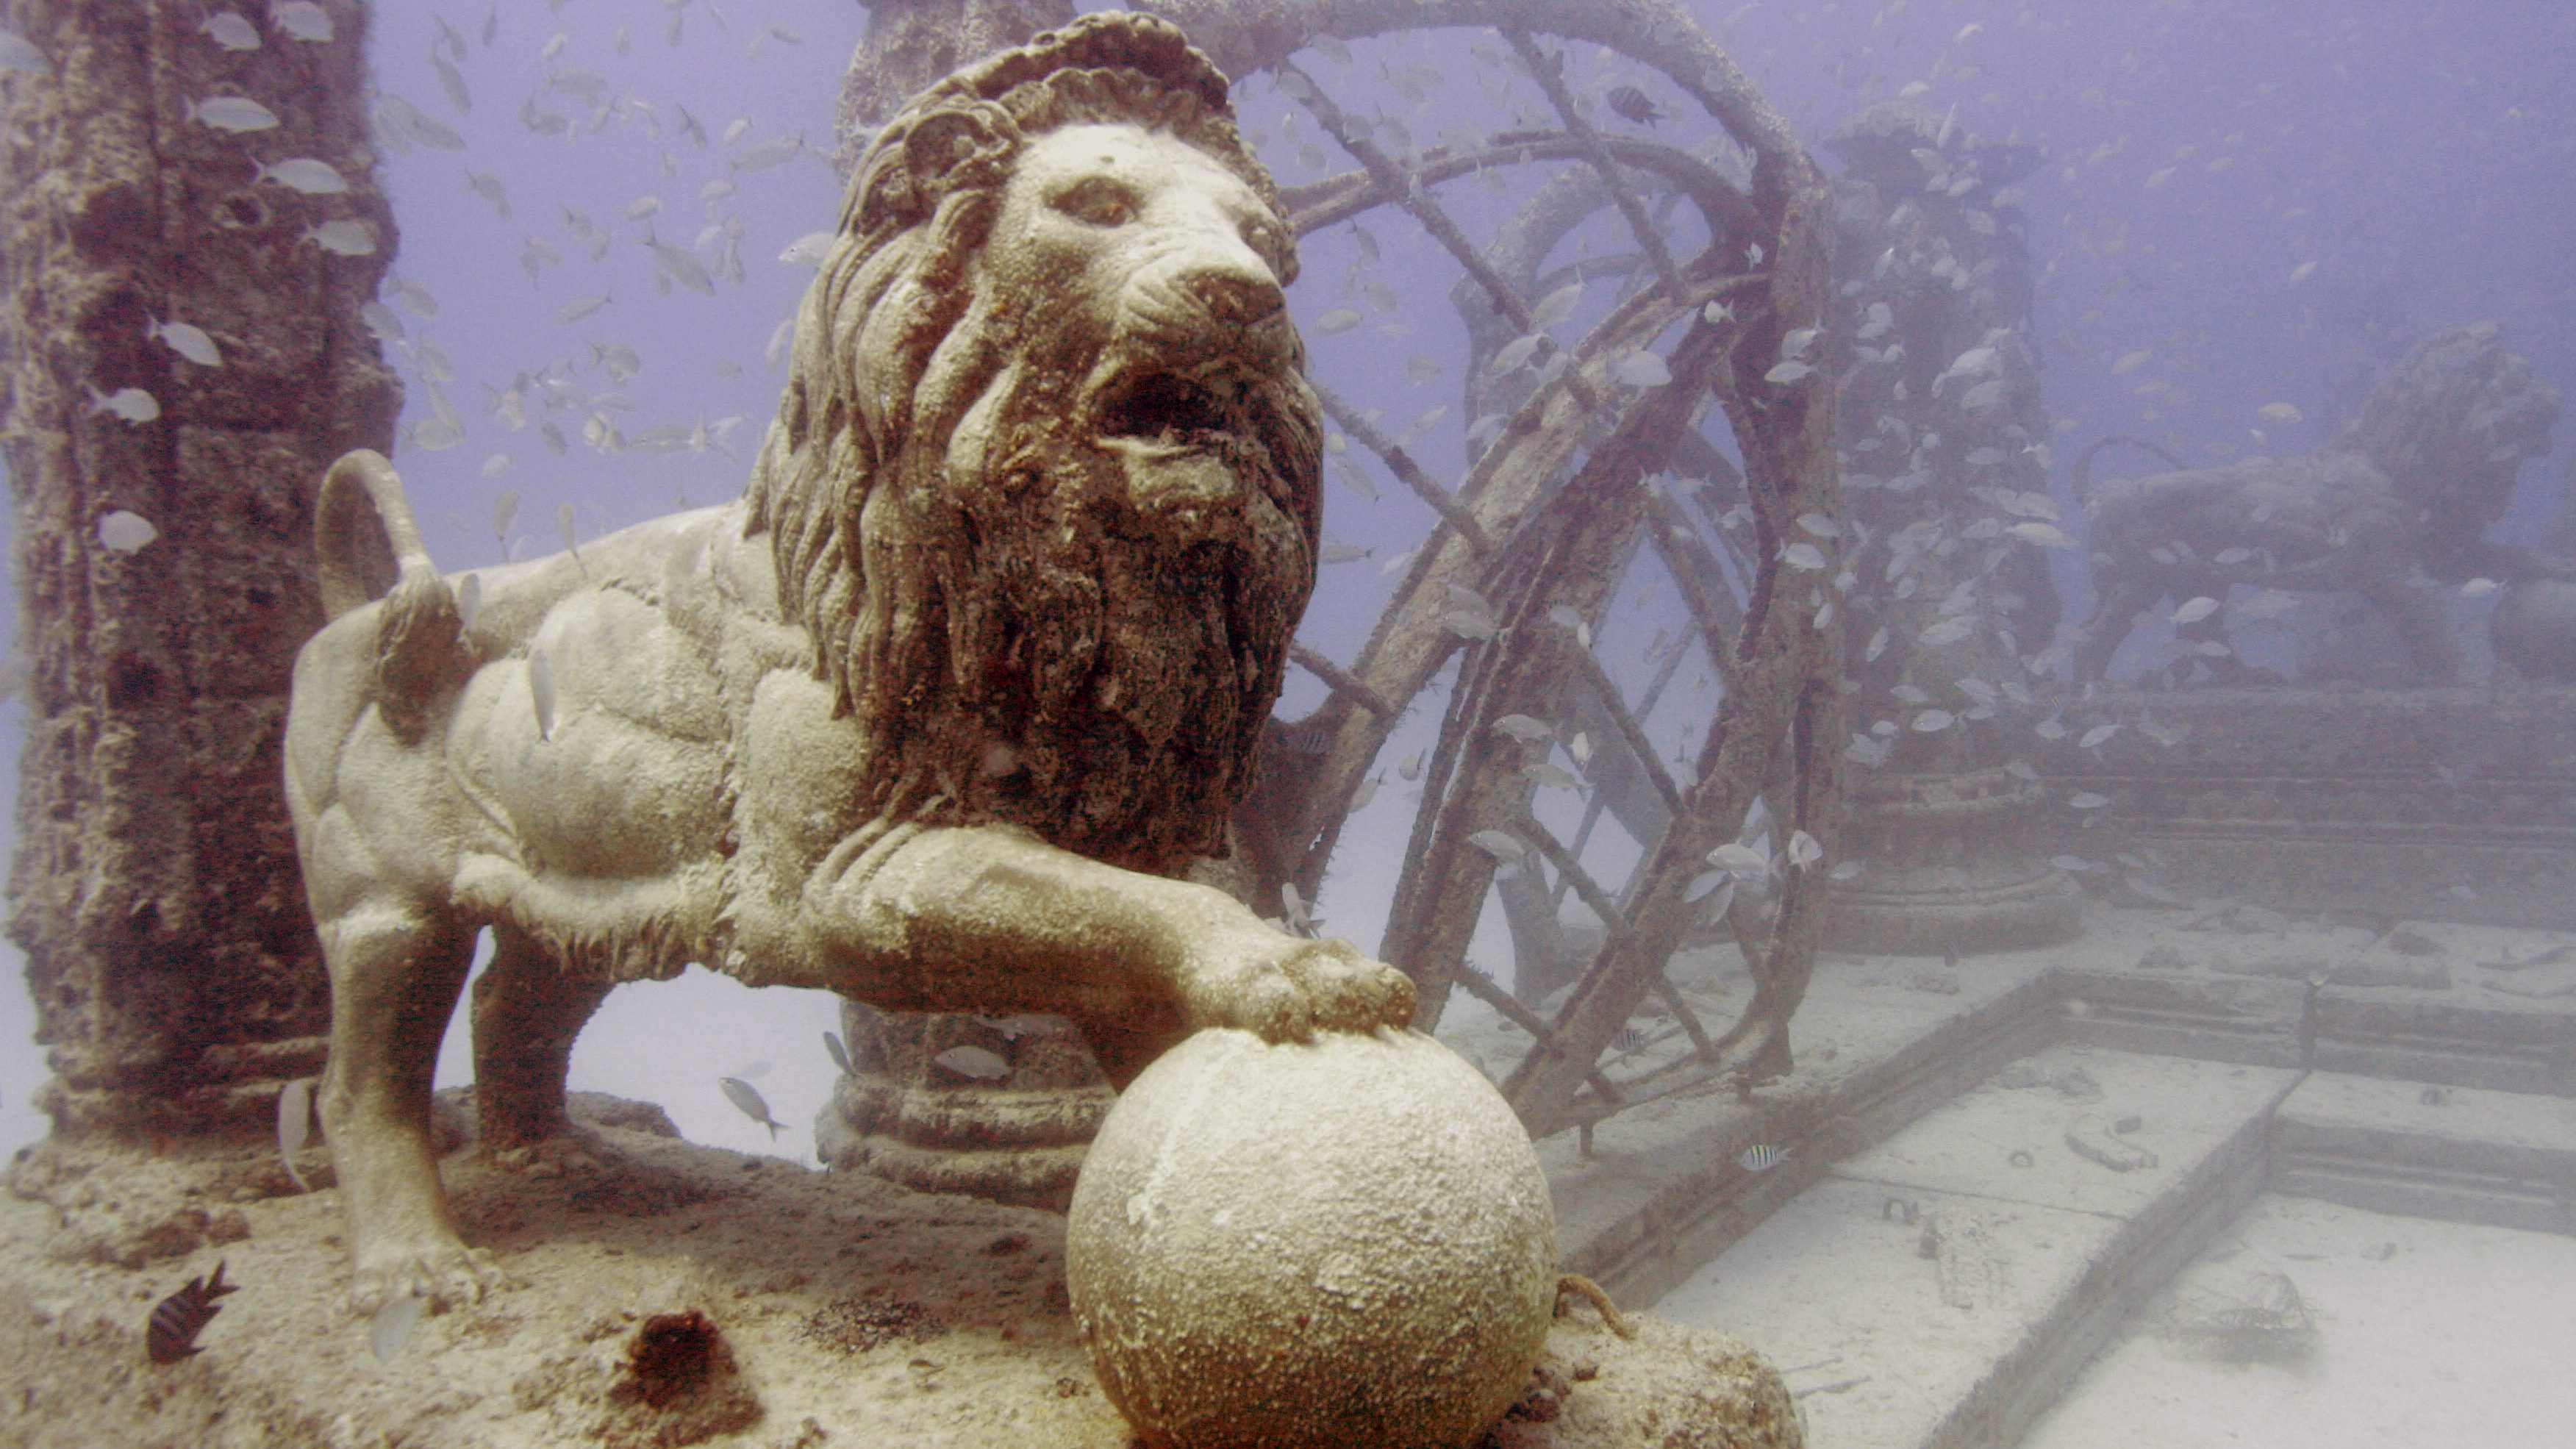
(1550, 777)
(541, 690)
(130, 403)
(747, 1098)
(236, 114)
(974, 1062)
(408, 122)
(1740, 860)
(294, 1125)
(679, 266)
(343, 238)
(1641, 369)
(808, 250)
(302, 19)
(392, 1325)
(487, 185)
(231, 31)
(452, 81)
(777, 150)
(188, 341)
(306, 174)
(1761, 1158)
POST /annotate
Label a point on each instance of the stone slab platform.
(1937, 1289)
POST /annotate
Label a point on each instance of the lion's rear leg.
(2114, 616)
(396, 969)
(527, 1010)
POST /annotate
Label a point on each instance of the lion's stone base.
(857, 1313)
(2376, 804)
(1017, 1138)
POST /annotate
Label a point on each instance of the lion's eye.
(1099, 201)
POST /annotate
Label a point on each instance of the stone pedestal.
(1950, 865)
(1017, 1138)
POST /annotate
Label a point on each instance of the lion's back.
(602, 743)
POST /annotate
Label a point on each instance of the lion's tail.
(2084, 460)
(369, 548)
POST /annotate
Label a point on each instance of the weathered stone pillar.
(1942, 433)
(154, 888)
(911, 43)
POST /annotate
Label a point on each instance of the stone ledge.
(2456, 1153)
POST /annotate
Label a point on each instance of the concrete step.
(2464, 1154)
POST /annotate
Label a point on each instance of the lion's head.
(2451, 425)
(1044, 486)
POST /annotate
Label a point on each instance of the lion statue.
(936, 716)
(2393, 509)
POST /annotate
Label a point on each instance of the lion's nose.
(1233, 298)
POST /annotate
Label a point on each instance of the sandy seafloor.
(2462, 1337)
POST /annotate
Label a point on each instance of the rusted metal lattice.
(1532, 544)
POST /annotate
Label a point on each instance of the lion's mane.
(2450, 425)
(907, 609)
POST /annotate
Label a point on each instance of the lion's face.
(1101, 520)
(2451, 425)
(1130, 294)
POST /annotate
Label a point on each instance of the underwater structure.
(1727, 627)
(180, 353)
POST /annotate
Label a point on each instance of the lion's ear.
(942, 143)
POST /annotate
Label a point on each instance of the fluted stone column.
(910, 43)
(154, 886)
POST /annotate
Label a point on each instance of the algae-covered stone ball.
(1342, 1242)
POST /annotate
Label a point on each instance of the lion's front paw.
(447, 1273)
(1286, 989)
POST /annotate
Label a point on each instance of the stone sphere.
(1339, 1243)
